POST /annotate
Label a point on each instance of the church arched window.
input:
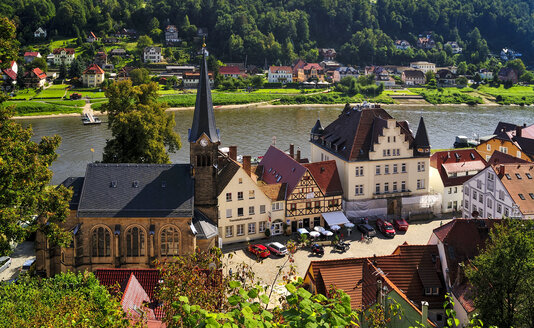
(101, 242)
(170, 241)
(135, 242)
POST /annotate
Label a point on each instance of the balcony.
(398, 193)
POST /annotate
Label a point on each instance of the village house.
(101, 58)
(402, 44)
(448, 172)
(456, 49)
(485, 74)
(426, 42)
(381, 75)
(93, 76)
(502, 190)
(413, 77)
(63, 56)
(423, 66)
(384, 169)
(509, 138)
(508, 74)
(29, 56)
(460, 241)
(171, 34)
(445, 77)
(409, 277)
(313, 72)
(34, 78)
(39, 33)
(92, 38)
(9, 76)
(126, 33)
(229, 71)
(152, 55)
(124, 73)
(347, 71)
(110, 40)
(119, 52)
(313, 191)
(332, 76)
(280, 74)
(328, 54)
(191, 80)
(509, 54)
(298, 70)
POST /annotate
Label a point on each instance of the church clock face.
(203, 142)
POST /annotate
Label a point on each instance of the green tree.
(141, 130)
(517, 65)
(257, 81)
(66, 300)
(462, 80)
(39, 63)
(429, 76)
(76, 68)
(140, 76)
(527, 77)
(143, 42)
(27, 202)
(63, 71)
(503, 275)
(9, 46)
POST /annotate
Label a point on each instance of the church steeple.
(204, 117)
(421, 143)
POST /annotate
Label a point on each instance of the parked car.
(366, 229)
(385, 227)
(317, 249)
(5, 262)
(27, 265)
(277, 248)
(259, 250)
(401, 224)
(75, 96)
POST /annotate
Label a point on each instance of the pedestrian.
(230, 272)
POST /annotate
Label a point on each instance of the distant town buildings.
(424, 66)
(171, 35)
(456, 49)
(402, 44)
(413, 77)
(280, 74)
(29, 56)
(63, 56)
(93, 76)
(152, 55)
(34, 78)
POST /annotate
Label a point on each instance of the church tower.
(204, 144)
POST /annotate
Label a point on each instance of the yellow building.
(93, 76)
(384, 169)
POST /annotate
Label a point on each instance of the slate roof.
(352, 135)
(413, 74)
(76, 183)
(137, 190)
(457, 160)
(421, 137)
(498, 157)
(204, 227)
(327, 177)
(204, 117)
(227, 169)
(279, 167)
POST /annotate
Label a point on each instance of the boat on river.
(88, 119)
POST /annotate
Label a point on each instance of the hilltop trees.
(141, 130)
(9, 46)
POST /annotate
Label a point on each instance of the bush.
(267, 232)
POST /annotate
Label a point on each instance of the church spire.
(421, 143)
(204, 117)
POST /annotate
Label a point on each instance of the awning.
(333, 218)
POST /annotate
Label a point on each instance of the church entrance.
(277, 228)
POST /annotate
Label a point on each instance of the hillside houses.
(152, 55)
(63, 56)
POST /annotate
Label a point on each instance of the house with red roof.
(410, 277)
(280, 74)
(313, 191)
(63, 56)
(448, 172)
(29, 56)
(313, 72)
(92, 37)
(93, 76)
(230, 71)
(9, 77)
(34, 78)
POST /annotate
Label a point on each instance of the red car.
(259, 250)
(401, 224)
(385, 228)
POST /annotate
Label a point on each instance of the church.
(130, 215)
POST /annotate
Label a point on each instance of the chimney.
(233, 153)
(518, 131)
(424, 312)
(292, 150)
(501, 171)
(298, 155)
(246, 164)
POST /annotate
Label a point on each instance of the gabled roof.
(68, 51)
(76, 183)
(31, 54)
(515, 178)
(229, 70)
(11, 74)
(327, 177)
(134, 296)
(203, 117)
(274, 69)
(147, 278)
(455, 161)
(137, 190)
(37, 73)
(279, 167)
(498, 157)
(94, 69)
(227, 170)
(275, 192)
(413, 74)
(312, 65)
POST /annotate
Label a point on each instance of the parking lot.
(418, 234)
(22, 253)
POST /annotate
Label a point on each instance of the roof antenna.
(274, 141)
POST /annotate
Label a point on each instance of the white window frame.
(228, 213)
(251, 229)
(240, 230)
(229, 231)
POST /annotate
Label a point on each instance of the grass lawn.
(27, 108)
(88, 92)
(402, 92)
(69, 103)
(448, 96)
(25, 94)
(50, 94)
(218, 99)
(519, 95)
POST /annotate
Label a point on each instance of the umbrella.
(302, 230)
(318, 228)
(327, 233)
(335, 227)
(349, 225)
(315, 234)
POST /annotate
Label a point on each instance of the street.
(23, 252)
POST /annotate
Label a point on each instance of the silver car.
(277, 248)
(5, 262)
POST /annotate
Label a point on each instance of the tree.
(503, 275)
(517, 65)
(27, 202)
(9, 46)
(257, 81)
(63, 71)
(140, 76)
(462, 80)
(39, 63)
(141, 130)
(527, 77)
(76, 68)
(143, 42)
(429, 76)
(66, 300)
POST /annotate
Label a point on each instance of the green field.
(219, 99)
(53, 92)
(331, 98)
(68, 103)
(519, 95)
(85, 92)
(26, 108)
(25, 94)
(448, 96)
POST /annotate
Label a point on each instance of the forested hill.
(362, 31)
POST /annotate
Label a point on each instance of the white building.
(424, 66)
(152, 55)
(40, 33)
(456, 49)
(63, 56)
(280, 74)
(504, 190)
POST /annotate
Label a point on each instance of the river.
(253, 129)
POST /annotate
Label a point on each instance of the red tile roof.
(31, 54)
(11, 73)
(68, 51)
(455, 161)
(38, 73)
(327, 177)
(93, 69)
(279, 167)
(134, 296)
(515, 178)
(312, 65)
(92, 35)
(465, 295)
(230, 70)
(285, 69)
(147, 278)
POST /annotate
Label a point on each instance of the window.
(252, 228)
(389, 140)
(386, 169)
(170, 241)
(388, 152)
(489, 203)
(251, 210)
(449, 205)
(481, 198)
(479, 184)
(384, 153)
(228, 196)
(229, 213)
(449, 190)
(474, 195)
(292, 206)
(262, 225)
(506, 212)
(386, 187)
(490, 176)
(239, 195)
(262, 209)
(277, 206)
(309, 205)
(528, 176)
(101, 242)
(501, 195)
(317, 204)
(466, 190)
(251, 194)
(359, 171)
(508, 176)
(518, 176)
(503, 149)
(518, 154)
(229, 231)
(428, 291)
(240, 230)
(395, 186)
(135, 242)
(488, 147)
(435, 291)
(378, 170)
(521, 196)
(395, 168)
(420, 166)
(403, 186)
(240, 212)
(332, 202)
(499, 208)
(421, 184)
(466, 204)
(531, 195)
(403, 167)
(377, 188)
(240, 181)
